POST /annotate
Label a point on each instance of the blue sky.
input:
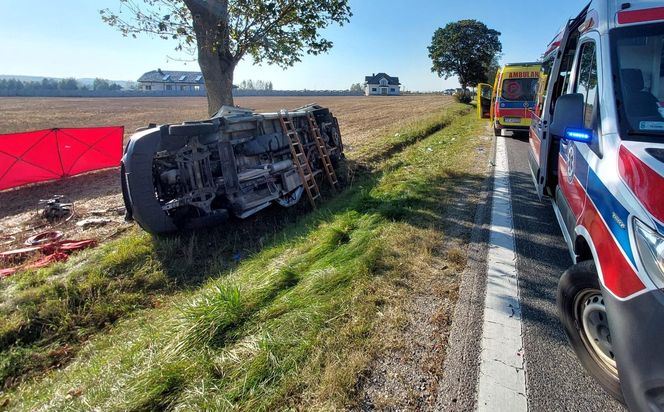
(67, 38)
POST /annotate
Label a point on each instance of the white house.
(172, 80)
(381, 84)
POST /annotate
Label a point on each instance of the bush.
(463, 97)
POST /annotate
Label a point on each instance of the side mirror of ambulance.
(567, 120)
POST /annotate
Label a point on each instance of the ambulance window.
(545, 71)
(562, 80)
(586, 82)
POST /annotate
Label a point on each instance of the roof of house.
(375, 79)
(170, 76)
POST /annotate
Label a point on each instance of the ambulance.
(597, 152)
(513, 97)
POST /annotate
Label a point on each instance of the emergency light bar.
(579, 135)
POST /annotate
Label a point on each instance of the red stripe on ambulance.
(644, 182)
(618, 275)
(639, 16)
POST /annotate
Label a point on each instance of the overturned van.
(196, 174)
(597, 150)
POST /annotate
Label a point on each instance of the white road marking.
(502, 383)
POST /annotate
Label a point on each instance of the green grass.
(292, 325)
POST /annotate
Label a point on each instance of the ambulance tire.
(578, 281)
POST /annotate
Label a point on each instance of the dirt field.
(98, 194)
(358, 117)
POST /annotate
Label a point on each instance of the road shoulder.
(461, 367)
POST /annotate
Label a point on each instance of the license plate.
(512, 120)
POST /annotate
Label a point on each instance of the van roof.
(614, 13)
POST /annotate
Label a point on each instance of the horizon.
(398, 43)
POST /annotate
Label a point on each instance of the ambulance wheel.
(583, 315)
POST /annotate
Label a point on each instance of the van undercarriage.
(196, 174)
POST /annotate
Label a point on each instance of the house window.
(373, 89)
(197, 88)
(383, 82)
(169, 87)
(183, 88)
(392, 90)
(148, 87)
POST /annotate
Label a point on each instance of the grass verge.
(292, 325)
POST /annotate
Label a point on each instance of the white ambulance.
(597, 151)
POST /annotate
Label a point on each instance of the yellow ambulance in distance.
(513, 97)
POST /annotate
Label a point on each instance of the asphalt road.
(556, 380)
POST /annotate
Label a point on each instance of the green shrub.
(463, 97)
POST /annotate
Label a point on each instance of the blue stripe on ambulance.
(608, 205)
(504, 104)
(660, 227)
(604, 201)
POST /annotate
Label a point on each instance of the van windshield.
(638, 60)
(519, 89)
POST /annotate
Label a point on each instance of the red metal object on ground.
(44, 238)
(18, 254)
(56, 251)
(43, 155)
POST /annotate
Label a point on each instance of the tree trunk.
(218, 75)
(210, 23)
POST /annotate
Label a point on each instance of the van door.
(535, 133)
(494, 90)
(544, 149)
(484, 101)
(575, 157)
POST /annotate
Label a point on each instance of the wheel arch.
(584, 249)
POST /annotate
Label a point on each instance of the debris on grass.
(93, 222)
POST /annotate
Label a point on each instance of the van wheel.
(583, 315)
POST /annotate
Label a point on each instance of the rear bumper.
(522, 124)
(637, 331)
(516, 127)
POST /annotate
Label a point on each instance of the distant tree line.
(62, 84)
(356, 87)
(103, 85)
(255, 85)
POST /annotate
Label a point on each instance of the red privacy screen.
(43, 155)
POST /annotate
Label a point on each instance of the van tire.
(577, 283)
(140, 190)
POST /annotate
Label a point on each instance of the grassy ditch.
(246, 319)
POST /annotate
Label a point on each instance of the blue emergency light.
(579, 135)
